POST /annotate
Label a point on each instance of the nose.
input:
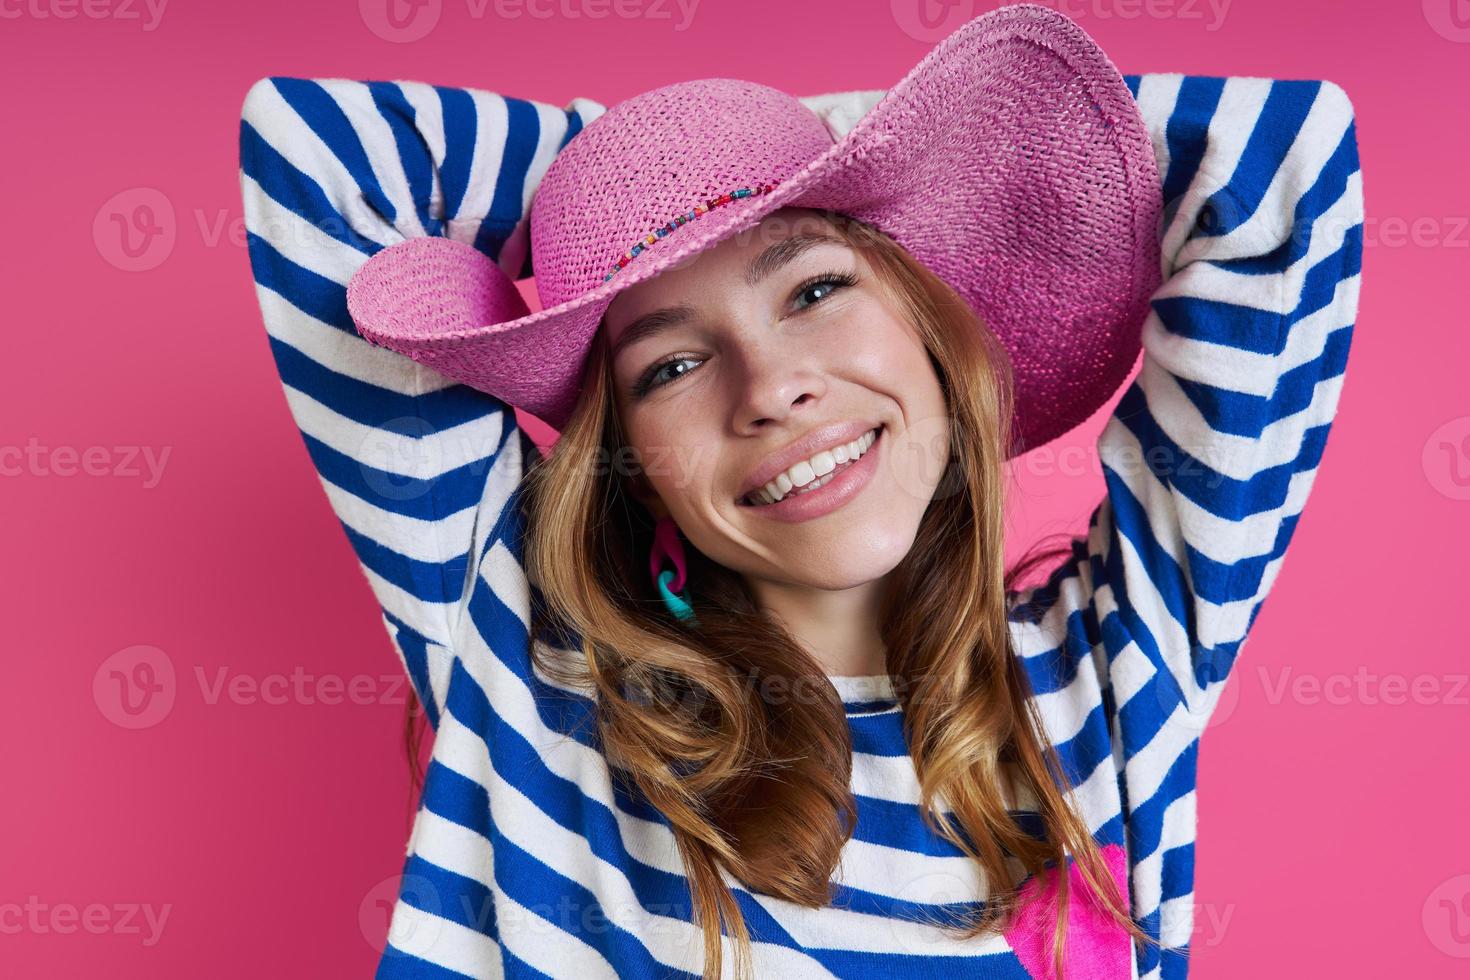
(776, 382)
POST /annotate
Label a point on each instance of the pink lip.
(844, 485)
(826, 437)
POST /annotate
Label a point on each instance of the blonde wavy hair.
(758, 784)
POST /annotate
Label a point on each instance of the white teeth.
(816, 469)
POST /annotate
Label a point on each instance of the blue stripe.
(1146, 826)
(414, 647)
(425, 581)
(321, 112)
(1330, 185)
(872, 706)
(1276, 129)
(406, 416)
(1178, 872)
(294, 191)
(1225, 497)
(310, 293)
(574, 126)
(522, 139)
(884, 966)
(460, 134)
(1055, 669)
(427, 499)
(1187, 133)
(414, 154)
(395, 964)
(1091, 747)
(880, 735)
(1261, 331)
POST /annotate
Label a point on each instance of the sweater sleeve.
(1209, 455)
(415, 467)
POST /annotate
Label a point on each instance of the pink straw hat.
(1011, 161)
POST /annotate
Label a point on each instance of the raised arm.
(1212, 451)
(1208, 457)
(413, 465)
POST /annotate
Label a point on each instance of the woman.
(828, 565)
(770, 739)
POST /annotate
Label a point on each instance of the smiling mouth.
(759, 498)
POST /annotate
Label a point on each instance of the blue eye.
(832, 281)
(650, 381)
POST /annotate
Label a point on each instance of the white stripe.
(504, 477)
(1179, 827)
(1271, 222)
(373, 131)
(407, 446)
(1158, 94)
(1146, 770)
(447, 944)
(344, 354)
(428, 122)
(1241, 101)
(492, 122)
(1280, 291)
(289, 135)
(428, 619)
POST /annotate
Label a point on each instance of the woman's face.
(725, 366)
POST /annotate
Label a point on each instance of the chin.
(851, 568)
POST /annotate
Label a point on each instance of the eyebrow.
(768, 262)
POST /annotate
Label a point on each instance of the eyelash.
(645, 384)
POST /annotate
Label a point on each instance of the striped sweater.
(526, 858)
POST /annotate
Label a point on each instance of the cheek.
(672, 457)
(889, 354)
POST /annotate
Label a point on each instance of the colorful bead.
(683, 219)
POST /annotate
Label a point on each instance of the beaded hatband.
(684, 219)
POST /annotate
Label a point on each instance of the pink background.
(1332, 817)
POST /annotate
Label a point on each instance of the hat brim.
(1011, 161)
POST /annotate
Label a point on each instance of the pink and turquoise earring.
(669, 581)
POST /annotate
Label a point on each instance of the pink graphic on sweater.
(1097, 947)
